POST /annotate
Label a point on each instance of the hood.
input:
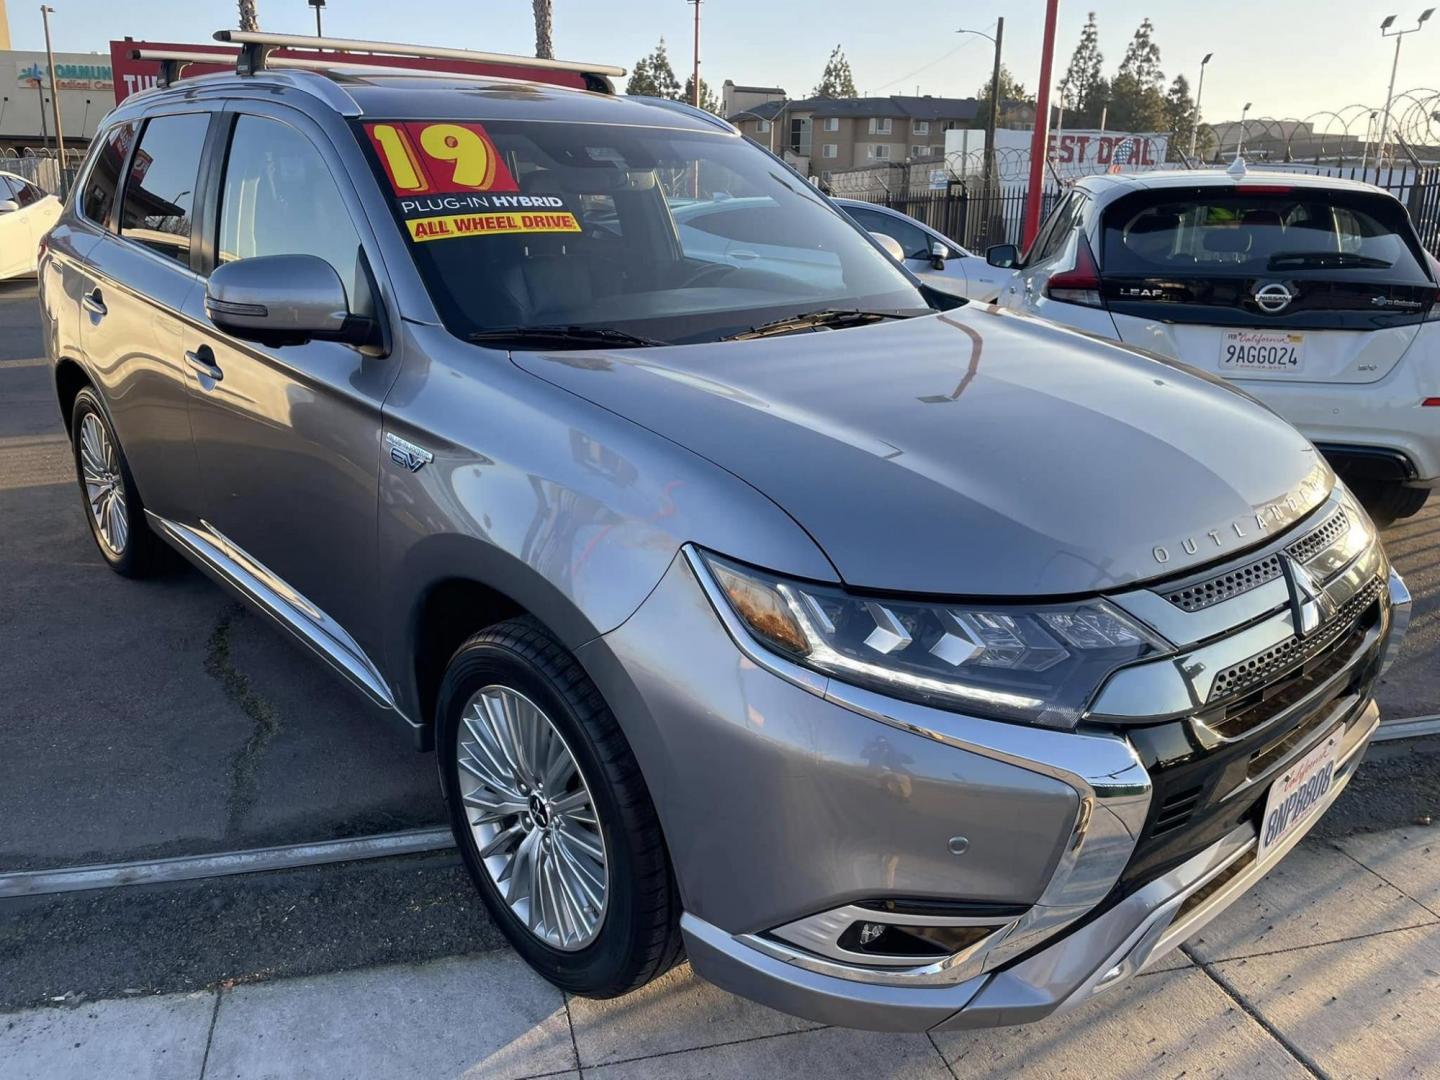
(974, 452)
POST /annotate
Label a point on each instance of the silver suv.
(897, 674)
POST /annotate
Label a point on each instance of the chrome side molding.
(225, 560)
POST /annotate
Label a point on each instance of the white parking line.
(221, 864)
(1412, 727)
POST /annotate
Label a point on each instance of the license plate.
(1262, 350)
(1297, 795)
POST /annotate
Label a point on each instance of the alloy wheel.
(532, 817)
(104, 486)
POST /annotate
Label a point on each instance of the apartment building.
(825, 135)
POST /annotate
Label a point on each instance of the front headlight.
(1039, 663)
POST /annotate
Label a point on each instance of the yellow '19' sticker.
(452, 225)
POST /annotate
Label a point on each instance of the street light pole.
(695, 76)
(1398, 35)
(997, 41)
(45, 12)
(317, 5)
(1199, 90)
(1240, 146)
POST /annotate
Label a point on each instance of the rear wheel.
(1388, 501)
(551, 815)
(112, 504)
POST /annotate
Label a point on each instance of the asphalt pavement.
(160, 718)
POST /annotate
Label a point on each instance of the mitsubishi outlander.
(760, 605)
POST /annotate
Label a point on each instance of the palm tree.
(544, 24)
(249, 17)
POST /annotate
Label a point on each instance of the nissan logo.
(1273, 298)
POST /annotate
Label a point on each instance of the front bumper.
(1100, 955)
(786, 805)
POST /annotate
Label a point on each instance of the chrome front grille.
(1222, 587)
(1266, 666)
(1321, 537)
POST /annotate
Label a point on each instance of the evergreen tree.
(1011, 91)
(1086, 91)
(1137, 96)
(652, 76)
(837, 81)
(1179, 116)
(708, 101)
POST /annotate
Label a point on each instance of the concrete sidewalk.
(1331, 967)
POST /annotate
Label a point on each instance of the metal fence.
(41, 167)
(976, 218)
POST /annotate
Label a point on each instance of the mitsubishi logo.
(1311, 604)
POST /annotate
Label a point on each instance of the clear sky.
(1290, 57)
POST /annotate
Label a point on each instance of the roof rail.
(256, 46)
(173, 63)
(688, 109)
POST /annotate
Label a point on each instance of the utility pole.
(317, 5)
(1199, 90)
(988, 177)
(695, 76)
(1040, 137)
(1398, 35)
(45, 12)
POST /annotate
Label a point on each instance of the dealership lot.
(145, 720)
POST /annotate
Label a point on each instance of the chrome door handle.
(203, 361)
(94, 302)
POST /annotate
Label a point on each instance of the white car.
(1313, 294)
(26, 214)
(932, 257)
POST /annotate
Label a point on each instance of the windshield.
(1240, 232)
(669, 236)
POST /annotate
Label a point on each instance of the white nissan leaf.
(1312, 293)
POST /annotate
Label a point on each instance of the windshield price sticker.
(450, 181)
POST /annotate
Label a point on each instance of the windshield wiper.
(828, 319)
(578, 337)
(1326, 260)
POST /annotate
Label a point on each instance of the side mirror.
(284, 300)
(891, 245)
(938, 254)
(1005, 256)
(8, 206)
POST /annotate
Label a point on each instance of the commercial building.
(87, 93)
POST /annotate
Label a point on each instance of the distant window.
(831, 150)
(878, 152)
(832, 123)
(160, 190)
(762, 126)
(911, 238)
(922, 127)
(880, 125)
(919, 150)
(104, 179)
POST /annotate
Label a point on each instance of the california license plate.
(1297, 795)
(1262, 350)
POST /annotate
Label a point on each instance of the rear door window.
(1229, 231)
(98, 197)
(160, 189)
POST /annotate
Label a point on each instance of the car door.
(288, 437)
(17, 244)
(134, 284)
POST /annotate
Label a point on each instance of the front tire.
(551, 815)
(1389, 501)
(112, 502)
